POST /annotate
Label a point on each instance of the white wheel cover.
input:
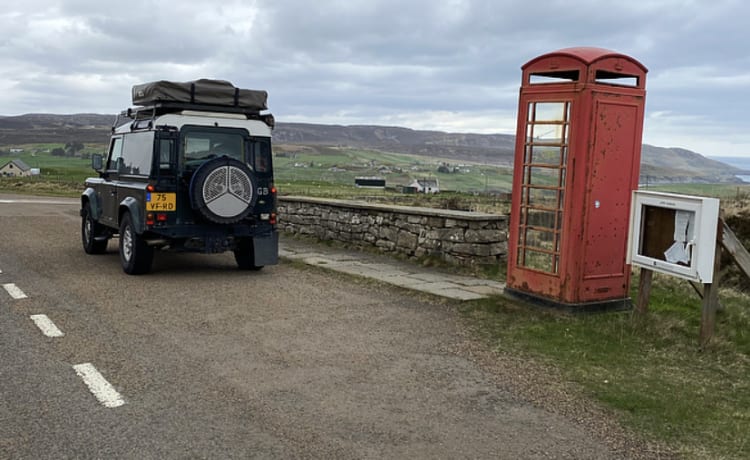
(227, 191)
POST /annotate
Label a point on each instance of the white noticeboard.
(674, 234)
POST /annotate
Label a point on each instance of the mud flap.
(266, 249)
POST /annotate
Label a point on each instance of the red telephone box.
(577, 160)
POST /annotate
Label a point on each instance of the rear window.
(204, 145)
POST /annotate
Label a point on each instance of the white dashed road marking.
(46, 325)
(14, 291)
(98, 385)
(102, 390)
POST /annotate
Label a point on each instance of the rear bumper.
(203, 230)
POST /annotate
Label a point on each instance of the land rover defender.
(189, 168)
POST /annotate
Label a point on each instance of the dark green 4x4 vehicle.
(189, 169)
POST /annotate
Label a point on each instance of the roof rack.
(161, 108)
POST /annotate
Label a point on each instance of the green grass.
(60, 176)
(649, 370)
(308, 165)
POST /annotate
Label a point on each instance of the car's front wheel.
(135, 255)
(92, 233)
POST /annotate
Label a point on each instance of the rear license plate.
(161, 201)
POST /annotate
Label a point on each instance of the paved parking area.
(391, 271)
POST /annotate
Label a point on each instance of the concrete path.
(391, 271)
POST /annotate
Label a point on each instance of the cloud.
(423, 63)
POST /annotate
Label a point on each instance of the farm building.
(426, 185)
(376, 182)
(15, 168)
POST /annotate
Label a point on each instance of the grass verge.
(648, 370)
(41, 186)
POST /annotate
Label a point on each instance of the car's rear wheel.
(244, 254)
(92, 233)
(135, 255)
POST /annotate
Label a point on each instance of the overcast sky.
(450, 65)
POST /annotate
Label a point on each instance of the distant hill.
(659, 164)
(490, 148)
(36, 128)
(675, 164)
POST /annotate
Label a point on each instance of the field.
(340, 166)
(56, 168)
(318, 171)
(649, 372)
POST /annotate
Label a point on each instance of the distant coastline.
(742, 163)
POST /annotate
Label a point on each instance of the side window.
(166, 147)
(260, 150)
(137, 152)
(115, 152)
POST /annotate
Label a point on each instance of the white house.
(15, 168)
(426, 185)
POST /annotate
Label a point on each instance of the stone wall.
(456, 237)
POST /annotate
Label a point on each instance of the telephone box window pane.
(562, 76)
(539, 261)
(542, 198)
(545, 155)
(612, 78)
(550, 111)
(541, 219)
(528, 154)
(543, 176)
(540, 239)
(548, 133)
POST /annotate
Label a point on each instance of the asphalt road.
(211, 362)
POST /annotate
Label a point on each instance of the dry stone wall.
(456, 237)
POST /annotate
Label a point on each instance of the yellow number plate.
(161, 201)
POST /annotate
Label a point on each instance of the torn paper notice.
(684, 225)
(678, 253)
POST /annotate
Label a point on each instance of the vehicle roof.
(213, 119)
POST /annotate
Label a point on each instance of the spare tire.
(223, 190)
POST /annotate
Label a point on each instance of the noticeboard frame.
(657, 217)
